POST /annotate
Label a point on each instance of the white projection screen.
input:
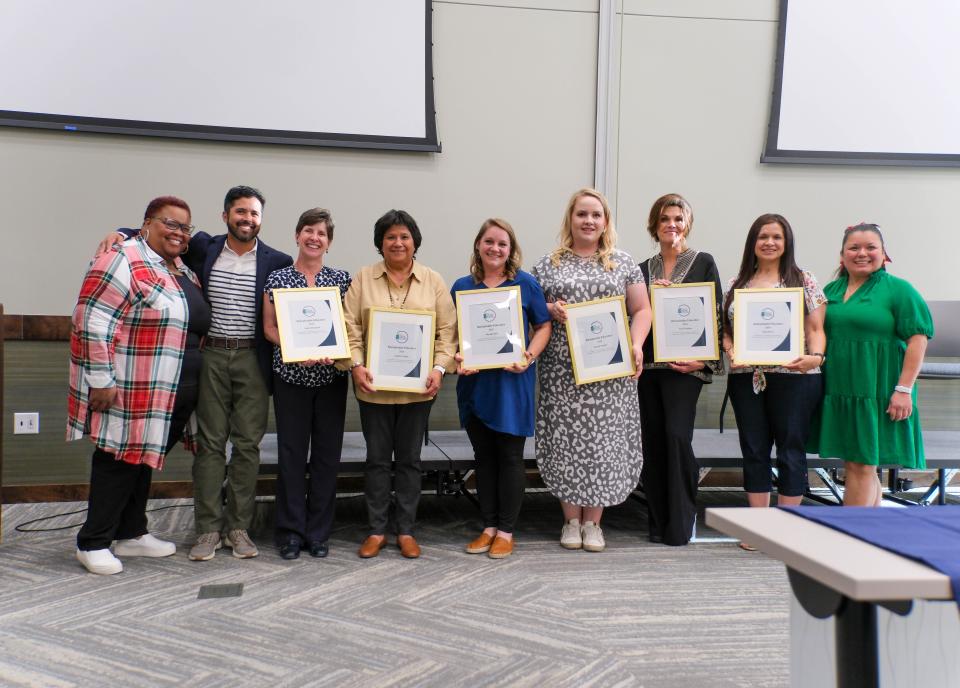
(355, 73)
(867, 82)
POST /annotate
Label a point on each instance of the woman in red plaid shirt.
(134, 366)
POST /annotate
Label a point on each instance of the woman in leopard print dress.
(588, 436)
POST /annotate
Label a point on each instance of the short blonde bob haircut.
(514, 260)
(608, 240)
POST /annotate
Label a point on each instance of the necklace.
(405, 295)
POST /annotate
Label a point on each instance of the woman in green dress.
(877, 327)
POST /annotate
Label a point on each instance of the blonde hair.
(608, 239)
(514, 260)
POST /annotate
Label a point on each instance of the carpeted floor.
(638, 614)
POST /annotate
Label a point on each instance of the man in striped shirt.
(236, 377)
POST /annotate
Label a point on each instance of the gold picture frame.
(684, 324)
(489, 321)
(400, 346)
(594, 356)
(311, 324)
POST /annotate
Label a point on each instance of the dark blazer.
(203, 253)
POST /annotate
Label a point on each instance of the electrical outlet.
(26, 423)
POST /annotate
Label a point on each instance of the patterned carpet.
(636, 615)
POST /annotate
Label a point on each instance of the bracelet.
(903, 389)
(440, 369)
(354, 364)
(823, 356)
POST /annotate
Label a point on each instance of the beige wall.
(696, 81)
(515, 89)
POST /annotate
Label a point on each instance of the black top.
(704, 269)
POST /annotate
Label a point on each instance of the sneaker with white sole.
(205, 547)
(570, 537)
(99, 561)
(241, 544)
(144, 546)
(592, 537)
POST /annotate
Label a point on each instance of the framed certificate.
(767, 326)
(400, 348)
(685, 322)
(598, 333)
(490, 327)
(311, 324)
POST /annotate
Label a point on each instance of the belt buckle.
(236, 343)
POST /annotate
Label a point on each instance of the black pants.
(117, 505)
(781, 413)
(393, 431)
(308, 418)
(501, 479)
(670, 475)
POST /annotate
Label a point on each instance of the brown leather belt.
(229, 343)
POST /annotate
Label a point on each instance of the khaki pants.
(232, 405)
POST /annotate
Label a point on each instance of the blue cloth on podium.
(929, 535)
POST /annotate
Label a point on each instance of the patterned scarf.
(680, 270)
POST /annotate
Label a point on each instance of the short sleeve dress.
(587, 437)
(866, 342)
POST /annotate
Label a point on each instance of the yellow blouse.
(424, 290)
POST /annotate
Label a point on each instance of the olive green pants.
(232, 405)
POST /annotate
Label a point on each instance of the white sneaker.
(144, 546)
(592, 537)
(99, 561)
(570, 537)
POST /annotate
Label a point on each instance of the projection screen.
(866, 82)
(354, 73)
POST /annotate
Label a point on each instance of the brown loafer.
(408, 546)
(371, 546)
(501, 548)
(481, 544)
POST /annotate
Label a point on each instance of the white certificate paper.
(685, 320)
(401, 345)
(599, 339)
(491, 329)
(312, 323)
(769, 325)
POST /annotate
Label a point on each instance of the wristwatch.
(903, 389)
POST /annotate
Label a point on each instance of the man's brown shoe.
(501, 548)
(480, 545)
(371, 546)
(408, 546)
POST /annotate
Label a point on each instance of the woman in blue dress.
(497, 406)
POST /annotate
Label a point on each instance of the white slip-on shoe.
(570, 537)
(99, 561)
(592, 537)
(144, 546)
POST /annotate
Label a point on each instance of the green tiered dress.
(866, 342)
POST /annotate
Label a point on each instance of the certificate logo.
(309, 311)
(401, 337)
(596, 327)
(683, 310)
(489, 315)
(766, 313)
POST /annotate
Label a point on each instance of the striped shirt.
(232, 292)
(129, 330)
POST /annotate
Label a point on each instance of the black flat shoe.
(319, 549)
(290, 549)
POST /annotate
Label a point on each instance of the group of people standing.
(137, 374)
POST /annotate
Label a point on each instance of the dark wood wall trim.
(36, 328)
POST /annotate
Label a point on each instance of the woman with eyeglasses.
(877, 328)
(134, 367)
